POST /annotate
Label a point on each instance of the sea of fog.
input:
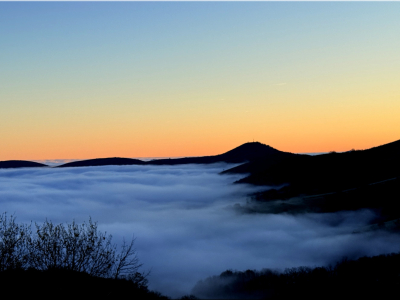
(184, 220)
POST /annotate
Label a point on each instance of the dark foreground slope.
(244, 153)
(327, 172)
(329, 182)
(20, 164)
(66, 284)
(366, 278)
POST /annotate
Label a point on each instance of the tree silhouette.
(13, 249)
(72, 247)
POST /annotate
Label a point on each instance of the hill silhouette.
(244, 153)
(117, 161)
(329, 182)
(325, 172)
(20, 164)
(364, 278)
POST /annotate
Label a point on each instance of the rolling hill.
(326, 172)
(328, 183)
(244, 153)
(7, 164)
(111, 161)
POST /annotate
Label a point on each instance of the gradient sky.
(142, 79)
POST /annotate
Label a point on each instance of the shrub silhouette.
(72, 247)
(78, 260)
(14, 253)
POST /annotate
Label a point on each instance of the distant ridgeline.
(269, 166)
(244, 153)
(300, 183)
(20, 164)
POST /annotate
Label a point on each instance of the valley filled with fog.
(186, 220)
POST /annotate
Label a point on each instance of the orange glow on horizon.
(182, 149)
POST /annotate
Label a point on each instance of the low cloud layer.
(185, 221)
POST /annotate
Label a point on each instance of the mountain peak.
(249, 151)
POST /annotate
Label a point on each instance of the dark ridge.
(20, 164)
(326, 172)
(365, 278)
(111, 161)
(243, 153)
(382, 197)
(331, 182)
(391, 149)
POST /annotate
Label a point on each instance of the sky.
(188, 220)
(164, 79)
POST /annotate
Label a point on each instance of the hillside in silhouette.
(244, 153)
(111, 161)
(20, 164)
(365, 278)
(327, 172)
(329, 182)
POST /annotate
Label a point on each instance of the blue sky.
(83, 75)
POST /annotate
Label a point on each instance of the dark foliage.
(367, 277)
(75, 259)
